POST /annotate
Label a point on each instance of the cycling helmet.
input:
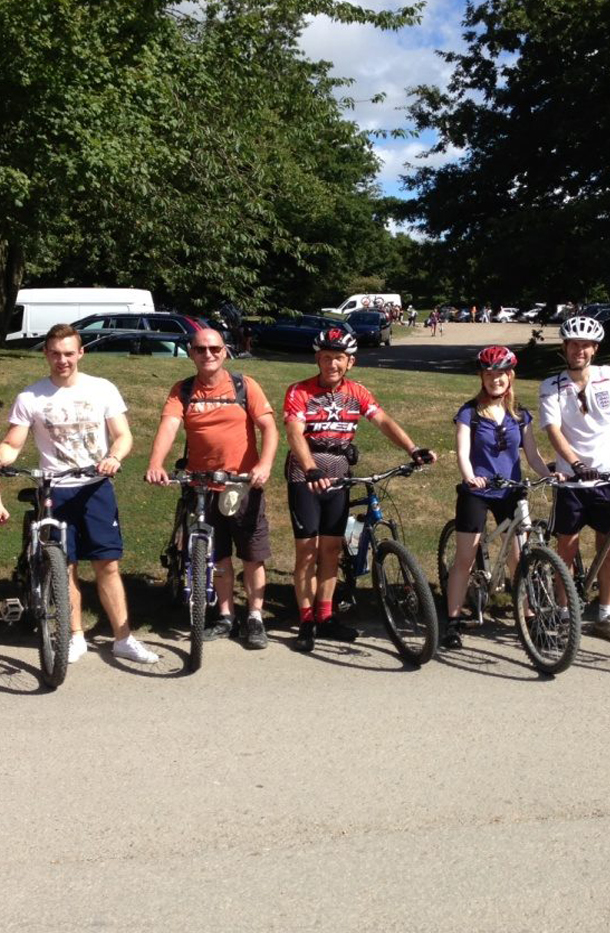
(582, 328)
(336, 339)
(496, 358)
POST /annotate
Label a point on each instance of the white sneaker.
(78, 647)
(133, 650)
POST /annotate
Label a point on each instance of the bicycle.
(42, 572)
(409, 613)
(549, 638)
(189, 555)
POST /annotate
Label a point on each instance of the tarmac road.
(338, 791)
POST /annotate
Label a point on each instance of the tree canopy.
(525, 210)
(202, 156)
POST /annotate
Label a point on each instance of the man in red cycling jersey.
(321, 415)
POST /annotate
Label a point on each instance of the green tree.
(525, 210)
(203, 156)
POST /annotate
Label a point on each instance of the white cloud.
(395, 156)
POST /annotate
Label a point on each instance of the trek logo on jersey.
(603, 399)
(344, 426)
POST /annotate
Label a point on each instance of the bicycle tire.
(197, 602)
(550, 642)
(405, 598)
(54, 618)
(579, 568)
(445, 558)
(172, 558)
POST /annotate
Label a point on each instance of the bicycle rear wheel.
(476, 596)
(550, 640)
(198, 601)
(405, 598)
(54, 617)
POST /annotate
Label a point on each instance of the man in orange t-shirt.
(221, 435)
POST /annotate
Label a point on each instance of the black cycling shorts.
(317, 513)
(471, 510)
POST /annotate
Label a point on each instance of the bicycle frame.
(373, 517)
(196, 528)
(520, 525)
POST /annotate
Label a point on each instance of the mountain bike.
(189, 555)
(542, 586)
(42, 572)
(409, 613)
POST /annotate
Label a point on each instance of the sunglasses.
(216, 349)
(583, 402)
(501, 441)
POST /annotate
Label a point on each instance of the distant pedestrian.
(411, 316)
(473, 314)
(486, 315)
(436, 322)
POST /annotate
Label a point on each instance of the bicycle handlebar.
(405, 469)
(38, 474)
(502, 482)
(204, 478)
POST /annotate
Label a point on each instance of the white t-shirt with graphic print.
(588, 433)
(69, 422)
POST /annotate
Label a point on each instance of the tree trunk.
(12, 267)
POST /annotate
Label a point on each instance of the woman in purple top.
(490, 430)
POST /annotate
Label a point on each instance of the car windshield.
(364, 317)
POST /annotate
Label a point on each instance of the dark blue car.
(370, 327)
(294, 333)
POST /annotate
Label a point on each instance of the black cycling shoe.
(253, 633)
(306, 638)
(333, 630)
(452, 635)
(220, 629)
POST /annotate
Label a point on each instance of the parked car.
(294, 333)
(370, 327)
(531, 316)
(505, 315)
(138, 343)
(597, 309)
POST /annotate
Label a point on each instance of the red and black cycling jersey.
(331, 418)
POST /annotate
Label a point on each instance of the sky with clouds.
(389, 62)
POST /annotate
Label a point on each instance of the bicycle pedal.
(11, 609)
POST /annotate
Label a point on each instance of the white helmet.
(582, 328)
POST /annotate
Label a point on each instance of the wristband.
(312, 476)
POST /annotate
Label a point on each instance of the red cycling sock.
(306, 614)
(324, 611)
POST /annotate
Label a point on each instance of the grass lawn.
(423, 403)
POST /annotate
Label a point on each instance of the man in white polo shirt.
(575, 410)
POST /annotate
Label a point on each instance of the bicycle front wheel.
(54, 617)
(405, 598)
(198, 601)
(549, 637)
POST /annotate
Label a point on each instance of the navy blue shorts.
(573, 509)
(92, 517)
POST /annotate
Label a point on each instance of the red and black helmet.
(496, 358)
(336, 339)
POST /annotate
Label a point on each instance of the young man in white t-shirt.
(79, 421)
(575, 410)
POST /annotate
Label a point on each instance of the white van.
(355, 302)
(38, 309)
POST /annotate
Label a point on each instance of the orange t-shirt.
(220, 436)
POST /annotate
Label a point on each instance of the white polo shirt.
(588, 434)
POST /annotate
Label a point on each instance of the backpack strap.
(475, 421)
(186, 392)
